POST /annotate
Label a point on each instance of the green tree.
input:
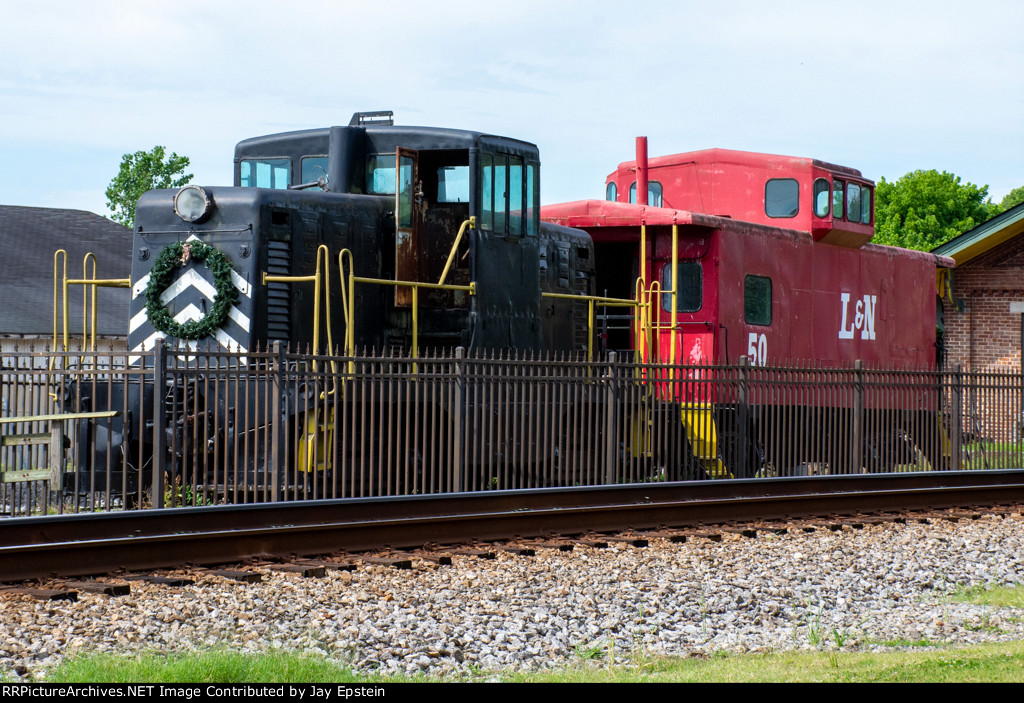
(924, 209)
(1014, 197)
(141, 172)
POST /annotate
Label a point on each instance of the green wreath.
(162, 275)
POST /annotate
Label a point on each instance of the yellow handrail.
(321, 279)
(61, 284)
(593, 301)
(471, 222)
(349, 297)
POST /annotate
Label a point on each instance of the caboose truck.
(768, 258)
(229, 267)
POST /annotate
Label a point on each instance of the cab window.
(453, 184)
(313, 167)
(265, 173)
(510, 194)
(611, 192)
(380, 174)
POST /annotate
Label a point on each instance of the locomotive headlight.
(192, 204)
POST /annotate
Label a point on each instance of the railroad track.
(86, 544)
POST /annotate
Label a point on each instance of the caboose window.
(865, 205)
(821, 195)
(654, 193)
(853, 202)
(757, 300)
(781, 197)
(837, 198)
(611, 192)
(690, 287)
(265, 173)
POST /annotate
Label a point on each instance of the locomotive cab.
(443, 226)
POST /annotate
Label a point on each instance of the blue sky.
(885, 87)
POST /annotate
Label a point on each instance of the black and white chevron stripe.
(188, 298)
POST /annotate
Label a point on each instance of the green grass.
(992, 455)
(1002, 662)
(997, 597)
(992, 663)
(207, 667)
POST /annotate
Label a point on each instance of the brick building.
(980, 331)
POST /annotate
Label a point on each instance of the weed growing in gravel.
(814, 626)
(840, 636)
(704, 607)
(592, 651)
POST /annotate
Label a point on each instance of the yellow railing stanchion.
(675, 288)
(60, 273)
(86, 299)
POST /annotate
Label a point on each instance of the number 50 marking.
(757, 349)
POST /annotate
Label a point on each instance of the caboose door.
(408, 203)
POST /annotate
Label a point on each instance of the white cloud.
(884, 87)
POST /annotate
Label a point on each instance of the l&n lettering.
(863, 318)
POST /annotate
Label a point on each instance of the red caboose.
(773, 262)
(764, 257)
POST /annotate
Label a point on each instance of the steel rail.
(77, 545)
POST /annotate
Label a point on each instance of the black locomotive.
(225, 267)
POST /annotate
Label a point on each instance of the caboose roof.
(745, 159)
(593, 214)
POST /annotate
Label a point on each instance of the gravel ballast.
(881, 586)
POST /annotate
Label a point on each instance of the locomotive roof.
(742, 158)
(384, 138)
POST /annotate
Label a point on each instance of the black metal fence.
(85, 432)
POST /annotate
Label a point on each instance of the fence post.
(957, 420)
(159, 422)
(277, 410)
(857, 450)
(611, 395)
(457, 417)
(742, 422)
